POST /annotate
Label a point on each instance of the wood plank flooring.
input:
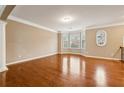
(64, 71)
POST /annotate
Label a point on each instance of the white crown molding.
(30, 23)
(104, 26)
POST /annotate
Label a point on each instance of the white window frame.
(63, 41)
(83, 37)
(70, 40)
(69, 44)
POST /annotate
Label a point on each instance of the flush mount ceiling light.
(67, 19)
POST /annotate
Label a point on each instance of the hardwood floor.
(64, 70)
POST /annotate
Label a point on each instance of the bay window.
(65, 40)
(73, 40)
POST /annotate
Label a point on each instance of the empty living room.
(61, 45)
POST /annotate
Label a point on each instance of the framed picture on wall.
(101, 38)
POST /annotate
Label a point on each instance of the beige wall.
(114, 41)
(110, 50)
(24, 41)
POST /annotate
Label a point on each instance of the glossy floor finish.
(64, 70)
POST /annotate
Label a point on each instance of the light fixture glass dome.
(67, 19)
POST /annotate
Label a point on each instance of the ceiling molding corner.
(11, 17)
(104, 26)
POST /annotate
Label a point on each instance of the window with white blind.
(73, 40)
(65, 39)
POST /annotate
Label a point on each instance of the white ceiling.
(50, 16)
(1, 9)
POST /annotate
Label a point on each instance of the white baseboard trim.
(70, 53)
(97, 57)
(29, 59)
(3, 69)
